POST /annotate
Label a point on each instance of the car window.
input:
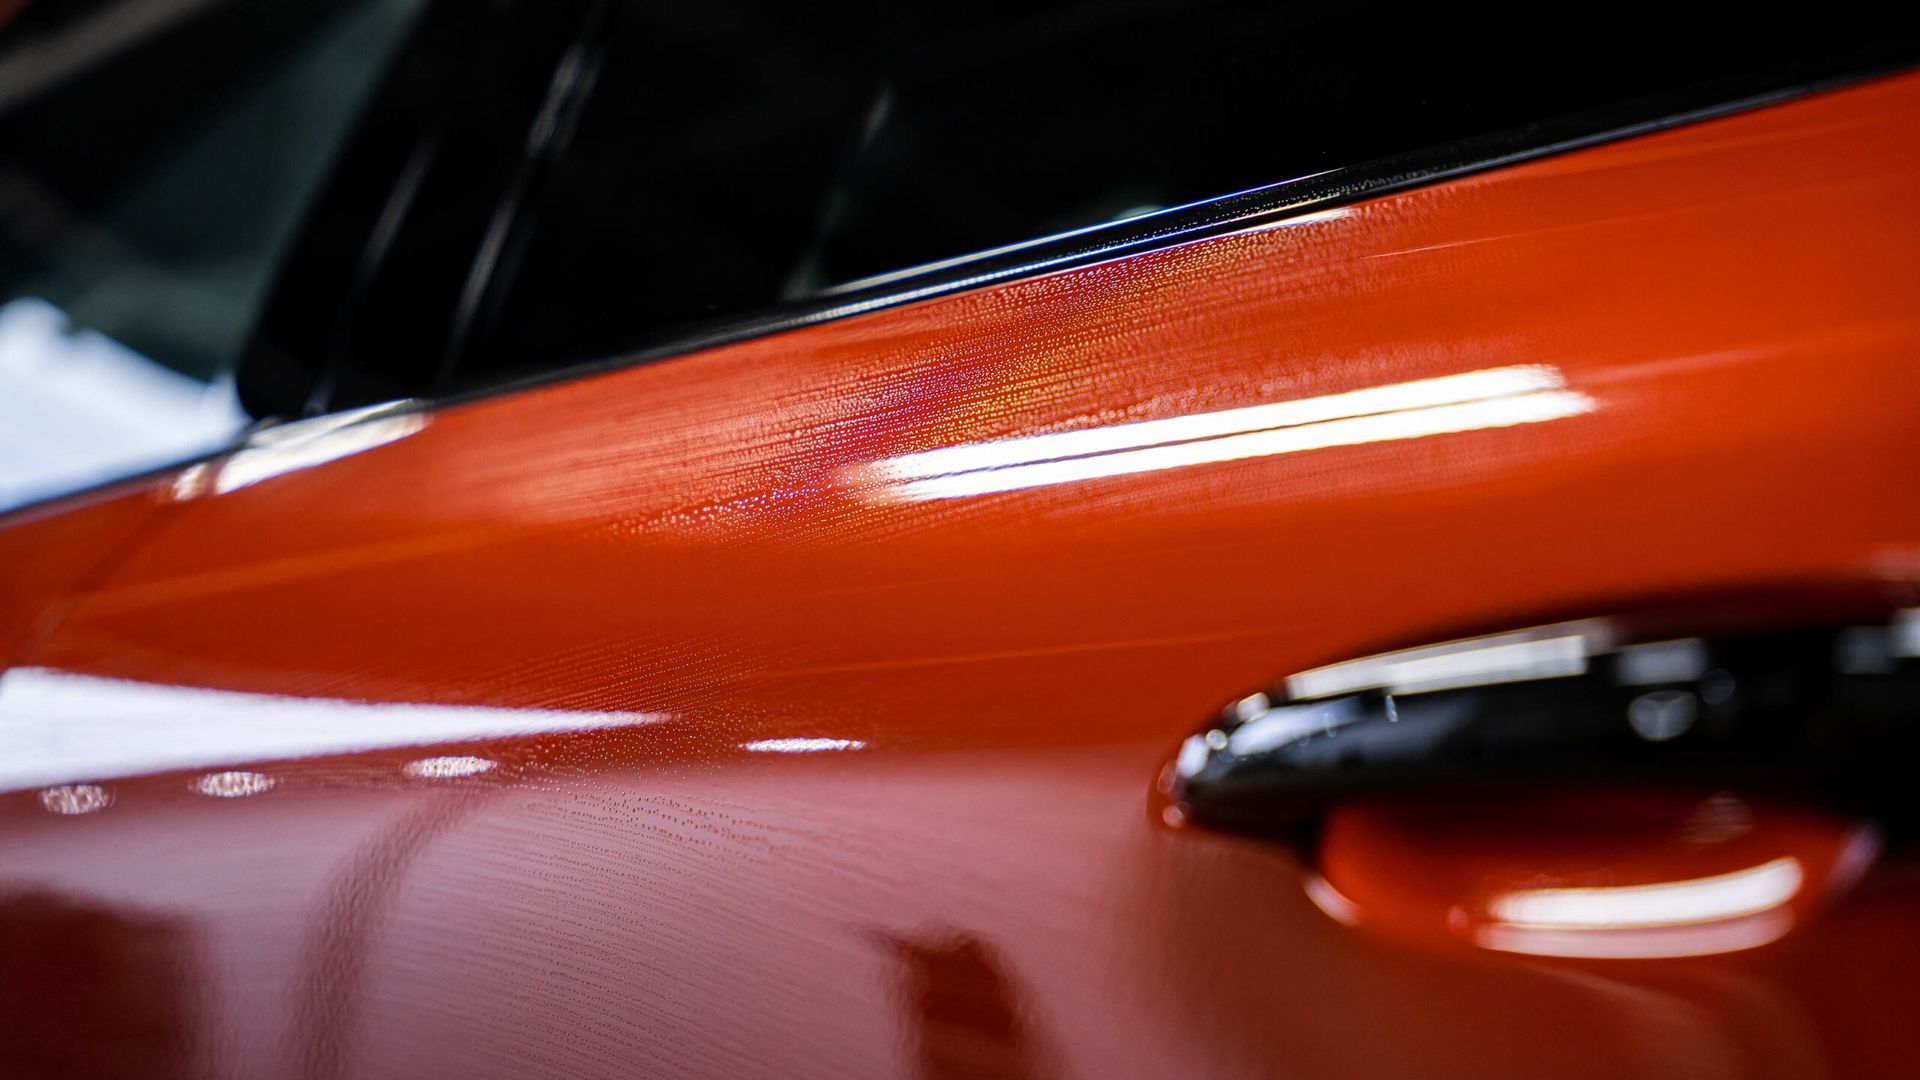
(548, 183)
(156, 158)
(737, 155)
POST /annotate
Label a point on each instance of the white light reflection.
(1651, 943)
(75, 799)
(1906, 633)
(1541, 652)
(57, 727)
(802, 746)
(447, 768)
(1496, 397)
(1312, 218)
(268, 457)
(1194, 755)
(234, 784)
(1724, 913)
(302, 444)
(1289, 724)
(1669, 903)
(1332, 901)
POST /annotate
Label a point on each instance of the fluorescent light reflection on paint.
(233, 784)
(450, 767)
(1649, 943)
(1496, 397)
(1669, 903)
(302, 444)
(58, 727)
(801, 746)
(69, 799)
(1332, 901)
(1723, 913)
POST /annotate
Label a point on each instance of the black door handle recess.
(1829, 711)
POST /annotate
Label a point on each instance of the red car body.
(672, 722)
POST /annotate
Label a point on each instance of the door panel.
(53, 552)
(766, 741)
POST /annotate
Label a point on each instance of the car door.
(734, 654)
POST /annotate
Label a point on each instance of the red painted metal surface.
(52, 553)
(794, 769)
(1621, 874)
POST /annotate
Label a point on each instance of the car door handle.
(1827, 709)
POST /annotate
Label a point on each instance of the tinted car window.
(740, 154)
(155, 162)
(593, 179)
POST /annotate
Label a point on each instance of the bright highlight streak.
(802, 746)
(447, 768)
(75, 799)
(266, 456)
(1649, 943)
(1332, 901)
(1672, 903)
(1551, 658)
(302, 444)
(1542, 652)
(57, 727)
(1400, 397)
(233, 785)
(1497, 397)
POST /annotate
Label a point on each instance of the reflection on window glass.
(733, 154)
(156, 158)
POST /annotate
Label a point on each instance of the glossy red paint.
(1609, 875)
(875, 799)
(52, 553)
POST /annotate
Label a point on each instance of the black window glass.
(656, 167)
